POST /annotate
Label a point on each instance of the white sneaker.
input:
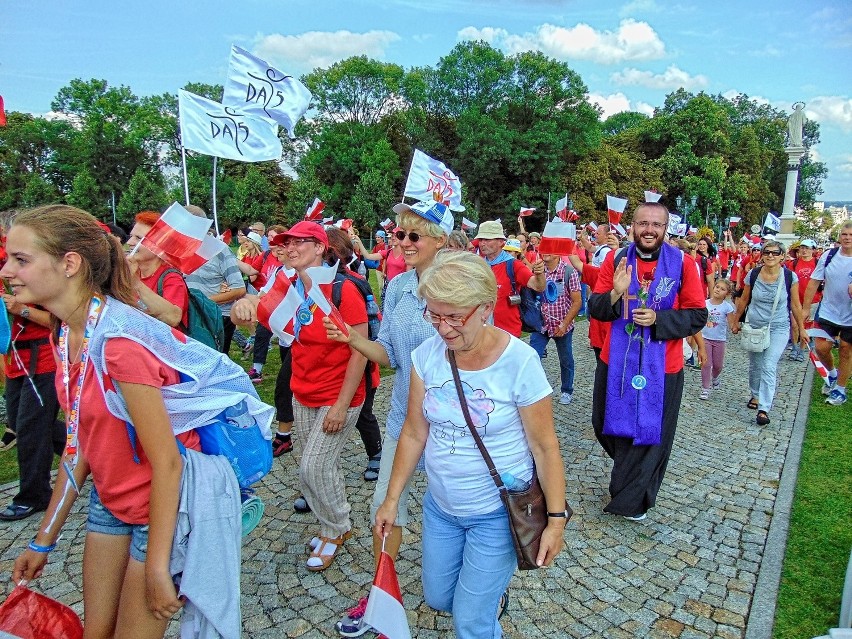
(705, 393)
(636, 517)
(565, 398)
(829, 385)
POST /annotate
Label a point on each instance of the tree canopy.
(515, 128)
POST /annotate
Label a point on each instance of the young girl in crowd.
(62, 259)
(715, 335)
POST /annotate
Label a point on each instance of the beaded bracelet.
(36, 548)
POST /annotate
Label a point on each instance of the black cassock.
(637, 471)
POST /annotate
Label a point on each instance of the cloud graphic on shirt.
(443, 410)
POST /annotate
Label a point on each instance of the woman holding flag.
(327, 377)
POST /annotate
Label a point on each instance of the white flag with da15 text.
(430, 179)
(257, 88)
(772, 222)
(226, 132)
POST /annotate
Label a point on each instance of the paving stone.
(687, 571)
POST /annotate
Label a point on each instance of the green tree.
(146, 192)
(251, 199)
(85, 194)
(38, 191)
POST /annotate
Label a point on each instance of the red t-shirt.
(598, 330)
(256, 262)
(688, 296)
(319, 365)
(174, 290)
(123, 485)
(724, 259)
(709, 269)
(505, 316)
(23, 333)
(393, 265)
(804, 270)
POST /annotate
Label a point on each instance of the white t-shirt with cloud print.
(458, 477)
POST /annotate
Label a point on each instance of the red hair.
(148, 218)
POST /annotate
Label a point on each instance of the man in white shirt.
(834, 313)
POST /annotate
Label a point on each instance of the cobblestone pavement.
(687, 571)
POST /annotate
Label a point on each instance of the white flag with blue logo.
(257, 88)
(226, 132)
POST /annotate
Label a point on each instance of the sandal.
(752, 403)
(762, 418)
(9, 440)
(323, 555)
(371, 473)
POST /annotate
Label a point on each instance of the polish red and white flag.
(558, 238)
(652, 196)
(526, 211)
(278, 306)
(818, 365)
(734, 221)
(314, 211)
(615, 208)
(180, 238)
(467, 225)
(385, 612)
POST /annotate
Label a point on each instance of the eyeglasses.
(453, 322)
(414, 237)
(645, 225)
(775, 253)
(296, 241)
(257, 230)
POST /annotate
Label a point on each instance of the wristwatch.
(562, 515)
(26, 313)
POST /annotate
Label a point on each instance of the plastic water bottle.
(514, 484)
(373, 322)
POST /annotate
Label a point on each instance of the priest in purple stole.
(651, 295)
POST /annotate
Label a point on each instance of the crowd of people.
(449, 304)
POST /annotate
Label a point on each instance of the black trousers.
(368, 425)
(40, 435)
(262, 338)
(283, 393)
(637, 471)
(229, 333)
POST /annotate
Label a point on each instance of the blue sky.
(630, 54)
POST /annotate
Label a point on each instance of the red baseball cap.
(304, 229)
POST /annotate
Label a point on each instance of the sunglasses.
(414, 237)
(775, 253)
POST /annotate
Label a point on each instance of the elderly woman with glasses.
(468, 555)
(771, 293)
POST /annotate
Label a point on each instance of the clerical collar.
(648, 257)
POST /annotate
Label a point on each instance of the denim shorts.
(101, 520)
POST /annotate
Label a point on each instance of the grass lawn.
(820, 531)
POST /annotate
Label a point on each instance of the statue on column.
(796, 125)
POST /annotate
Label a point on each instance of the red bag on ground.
(30, 615)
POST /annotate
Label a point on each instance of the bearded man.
(651, 294)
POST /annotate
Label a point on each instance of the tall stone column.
(795, 150)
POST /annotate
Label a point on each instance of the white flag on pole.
(223, 131)
(431, 180)
(257, 88)
(674, 222)
(772, 222)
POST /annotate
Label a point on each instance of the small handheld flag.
(615, 208)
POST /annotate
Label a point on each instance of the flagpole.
(215, 213)
(185, 178)
(548, 205)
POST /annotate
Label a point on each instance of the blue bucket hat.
(434, 212)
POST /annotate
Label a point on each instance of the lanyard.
(73, 422)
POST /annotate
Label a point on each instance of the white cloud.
(306, 51)
(845, 165)
(768, 51)
(671, 78)
(633, 40)
(836, 110)
(730, 94)
(616, 103)
(638, 6)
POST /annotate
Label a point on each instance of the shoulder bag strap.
(463, 401)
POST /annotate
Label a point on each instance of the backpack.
(752, 278)
(530, 307)
(374, 316)
(204, 316)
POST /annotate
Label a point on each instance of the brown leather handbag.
(527, 510)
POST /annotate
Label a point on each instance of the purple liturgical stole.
(637, 363)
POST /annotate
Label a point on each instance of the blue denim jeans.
(565, 350)
(467, 565)
(763, 367)
(584, 296)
